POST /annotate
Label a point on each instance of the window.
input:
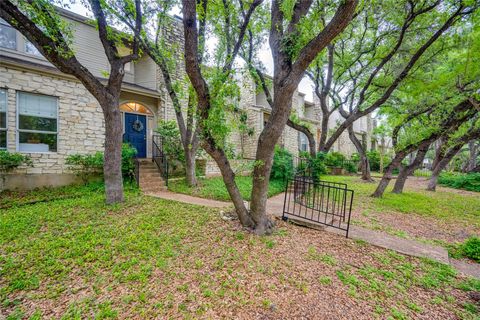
(135, 108)
(30, 48)
(37, 123)
(128, 67)
(8, 36)
(3, 118)
(302, 142)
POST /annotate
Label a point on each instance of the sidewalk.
(376, 238)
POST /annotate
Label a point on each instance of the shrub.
(471, 248)
(87, 165)
(468, 181)
(374, 160)
(351, 167)
(172, 143)
(334, 159)
(10, 161)
(282, 167)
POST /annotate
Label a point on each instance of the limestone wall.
(80, 119)
(81, 128)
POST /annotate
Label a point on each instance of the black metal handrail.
(159, 157)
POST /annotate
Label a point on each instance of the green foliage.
(466, 181)
(282, 167)
(316, 165)
(86, 166)
(469, 249)
(374, 160)
(172, 142)
(351, 167)
(334, 159)
(12, 160)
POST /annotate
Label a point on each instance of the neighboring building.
(50, 115)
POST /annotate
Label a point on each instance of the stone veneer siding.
(80, 118)
(81, 128)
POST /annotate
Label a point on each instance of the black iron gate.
(323, 202)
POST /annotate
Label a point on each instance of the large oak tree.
(293, 48)
(41, 24)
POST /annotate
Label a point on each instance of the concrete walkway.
(189, 199)
(376, 238)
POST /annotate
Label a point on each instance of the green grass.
(214, 188)
(446, 206)
(152, 258)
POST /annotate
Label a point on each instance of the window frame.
(6, 24)
(6, 120)
(302, 135)
(36, 54)
(18, 130)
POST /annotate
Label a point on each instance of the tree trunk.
(439, 151)
(441, 164)
(190, 173)
(264, 159)
(408, 170)
(229, 180)
(472, 161)
(382, 152)
(388, 175)
(112, 166)
(365, 165)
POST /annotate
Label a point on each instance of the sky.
(265, 55)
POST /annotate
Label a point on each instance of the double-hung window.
(37, 122)
(3, 118)
(8, 36)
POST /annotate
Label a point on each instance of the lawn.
(445, 216)
(151, 258)
(214, 188)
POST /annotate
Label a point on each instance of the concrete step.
(154, 189)
(148, 168)
(152, 181)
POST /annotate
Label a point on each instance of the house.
(50, 115)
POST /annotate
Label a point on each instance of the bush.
(172, 143)
(351, 167)
(469, 249)
(374, 160)
(10, 161)
(282, 167)
(466, 181)
(334, 159)
(87, 165)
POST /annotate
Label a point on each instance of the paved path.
(379, 239)
(189, 199)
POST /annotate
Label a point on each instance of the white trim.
(18, 130)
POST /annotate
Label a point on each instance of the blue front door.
(136, 133)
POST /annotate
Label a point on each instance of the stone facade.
(80, 118)
(80, 125)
